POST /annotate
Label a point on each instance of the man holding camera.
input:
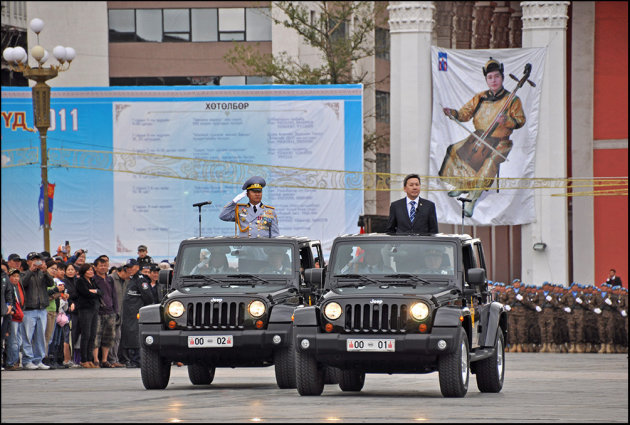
(35, 283)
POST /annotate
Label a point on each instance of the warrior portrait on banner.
(472, 165)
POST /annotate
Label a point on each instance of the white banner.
(467, 168)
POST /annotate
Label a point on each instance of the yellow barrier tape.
(226, 172)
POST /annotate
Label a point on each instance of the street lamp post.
(17, 59)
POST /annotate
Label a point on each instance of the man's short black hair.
(411, 176)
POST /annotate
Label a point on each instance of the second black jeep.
(230, 303)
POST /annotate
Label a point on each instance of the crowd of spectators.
(62, 312)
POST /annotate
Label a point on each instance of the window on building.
(122, 25)
(232, 24)
(251, 80)
(382, 106)
(382, 166)
(258, 24)
(381, 48)
(176, 25)
(149, 24)
(339, 32)
(196, 25)
(204, 24)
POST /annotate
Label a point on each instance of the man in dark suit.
(412, 214)
(612, 279)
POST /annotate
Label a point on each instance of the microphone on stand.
(199, 205)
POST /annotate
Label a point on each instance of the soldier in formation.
(552, 318)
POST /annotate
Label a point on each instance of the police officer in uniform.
(252, 219)
(138, 295)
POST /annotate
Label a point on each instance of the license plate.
(378, 345)
(210, 341)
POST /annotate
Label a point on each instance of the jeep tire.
(454, 369)
(330, 376)
(200, 374)
(155, 370)
(350, 380)
(490, 371)
(309, 375)
(284, 364)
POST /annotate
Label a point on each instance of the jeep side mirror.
(164, 280)
(314, 280)
(476, 277)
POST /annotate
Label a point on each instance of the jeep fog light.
(175, 309)
(419, 311)
(276, 339)
(305, 344)
(441, 344)
(256, 308)
(149, 340)
(332, 311)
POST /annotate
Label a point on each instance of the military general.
(252, 219)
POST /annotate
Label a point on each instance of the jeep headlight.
(175, 309)
(419, 311)
(256, 308)
(332, 311)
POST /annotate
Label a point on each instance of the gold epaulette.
(268, 206)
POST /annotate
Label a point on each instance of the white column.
(411, 26)
(544, 24)
(582, 81)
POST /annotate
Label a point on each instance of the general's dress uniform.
(251, 221)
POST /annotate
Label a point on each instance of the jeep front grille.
(216, 315)
(376, 317)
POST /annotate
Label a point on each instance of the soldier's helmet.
(492, 65)
(255, 183)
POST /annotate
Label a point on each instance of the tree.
(342, 31)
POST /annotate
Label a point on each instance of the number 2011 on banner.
(74, 114)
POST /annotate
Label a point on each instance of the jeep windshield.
(225, 265)
(415, 265)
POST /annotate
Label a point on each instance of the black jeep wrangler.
(402, 304)
(229, 303)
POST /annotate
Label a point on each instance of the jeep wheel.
(155, 370)
(330, 375)
(200, 374)
(454, 370)
(350, 380)
(490, 371)
(309, 376)
(284, 363)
